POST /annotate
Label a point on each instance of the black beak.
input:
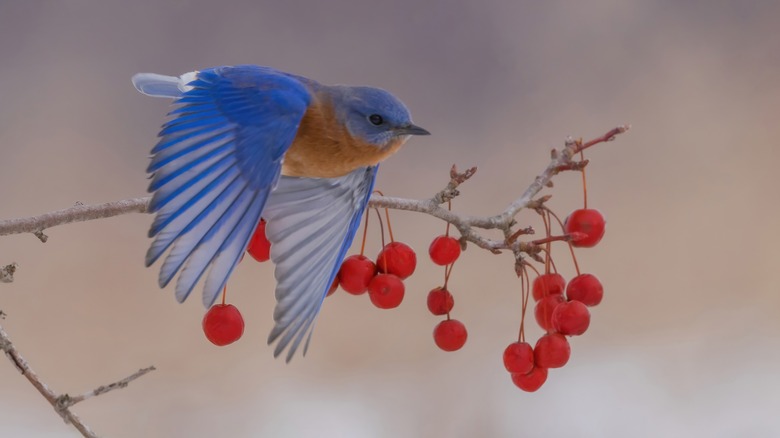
(412, 130)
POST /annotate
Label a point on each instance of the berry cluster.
(561, 308)
(383, 280)
(450, 334)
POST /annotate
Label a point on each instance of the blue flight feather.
(214, 167)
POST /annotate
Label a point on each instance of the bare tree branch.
(61, 403)
(504, 221)
(77, 213)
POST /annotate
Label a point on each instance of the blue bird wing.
(311, 225)
(217, 160)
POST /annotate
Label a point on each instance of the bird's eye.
(376, 119)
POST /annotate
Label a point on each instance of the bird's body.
(323, 148)
(247, 141)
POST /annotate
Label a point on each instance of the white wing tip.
(156, 85)
(185, 79)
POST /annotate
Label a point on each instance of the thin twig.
(68, 401)
(61, 403)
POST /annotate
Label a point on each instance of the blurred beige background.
(685, 343)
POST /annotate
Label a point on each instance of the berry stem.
(382, 234)
(449, 208)
(573, 257)
(365, 232)
(387, 216)
(224, 292)
(447, 272)
(532, 267)
(571, 247)
(525, 301)
(555, 268)
(584, 182)
(525, 286)
(389, 227)
(548, 247)
(381, 226)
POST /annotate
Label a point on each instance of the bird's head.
(375, 116)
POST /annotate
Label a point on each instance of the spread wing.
(311, 224)
(217, 160)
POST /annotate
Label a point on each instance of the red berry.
(259, 246)
(571, 318)
(356, 273)
(531, 381)
(588, 221)
(552, 351)
(450, 335)
(519, 358)
(223, 324)
(398, 259)
(585, 288)
(444, 250)
(386, 291)
(544, 310)
(548, 284)
(440, 301)
(333, 286)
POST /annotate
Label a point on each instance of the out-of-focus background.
(686, 342)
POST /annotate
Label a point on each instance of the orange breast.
(323, 148)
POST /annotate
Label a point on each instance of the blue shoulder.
(260, 107)
(248, 92)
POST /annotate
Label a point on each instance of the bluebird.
(249, 141)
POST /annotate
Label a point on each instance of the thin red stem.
(389, 227)
(584, 182)
(224, 292)
(525, 286)
(387, 216)
(449, 207)
(555, 268)
(571, 247)
(447, 272)
(382, 233)
(365, 232)
(527, 295)
(547, 232)
(532, 267)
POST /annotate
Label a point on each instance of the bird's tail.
(152, 84)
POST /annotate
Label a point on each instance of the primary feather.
(311, 225)
(217, 161)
